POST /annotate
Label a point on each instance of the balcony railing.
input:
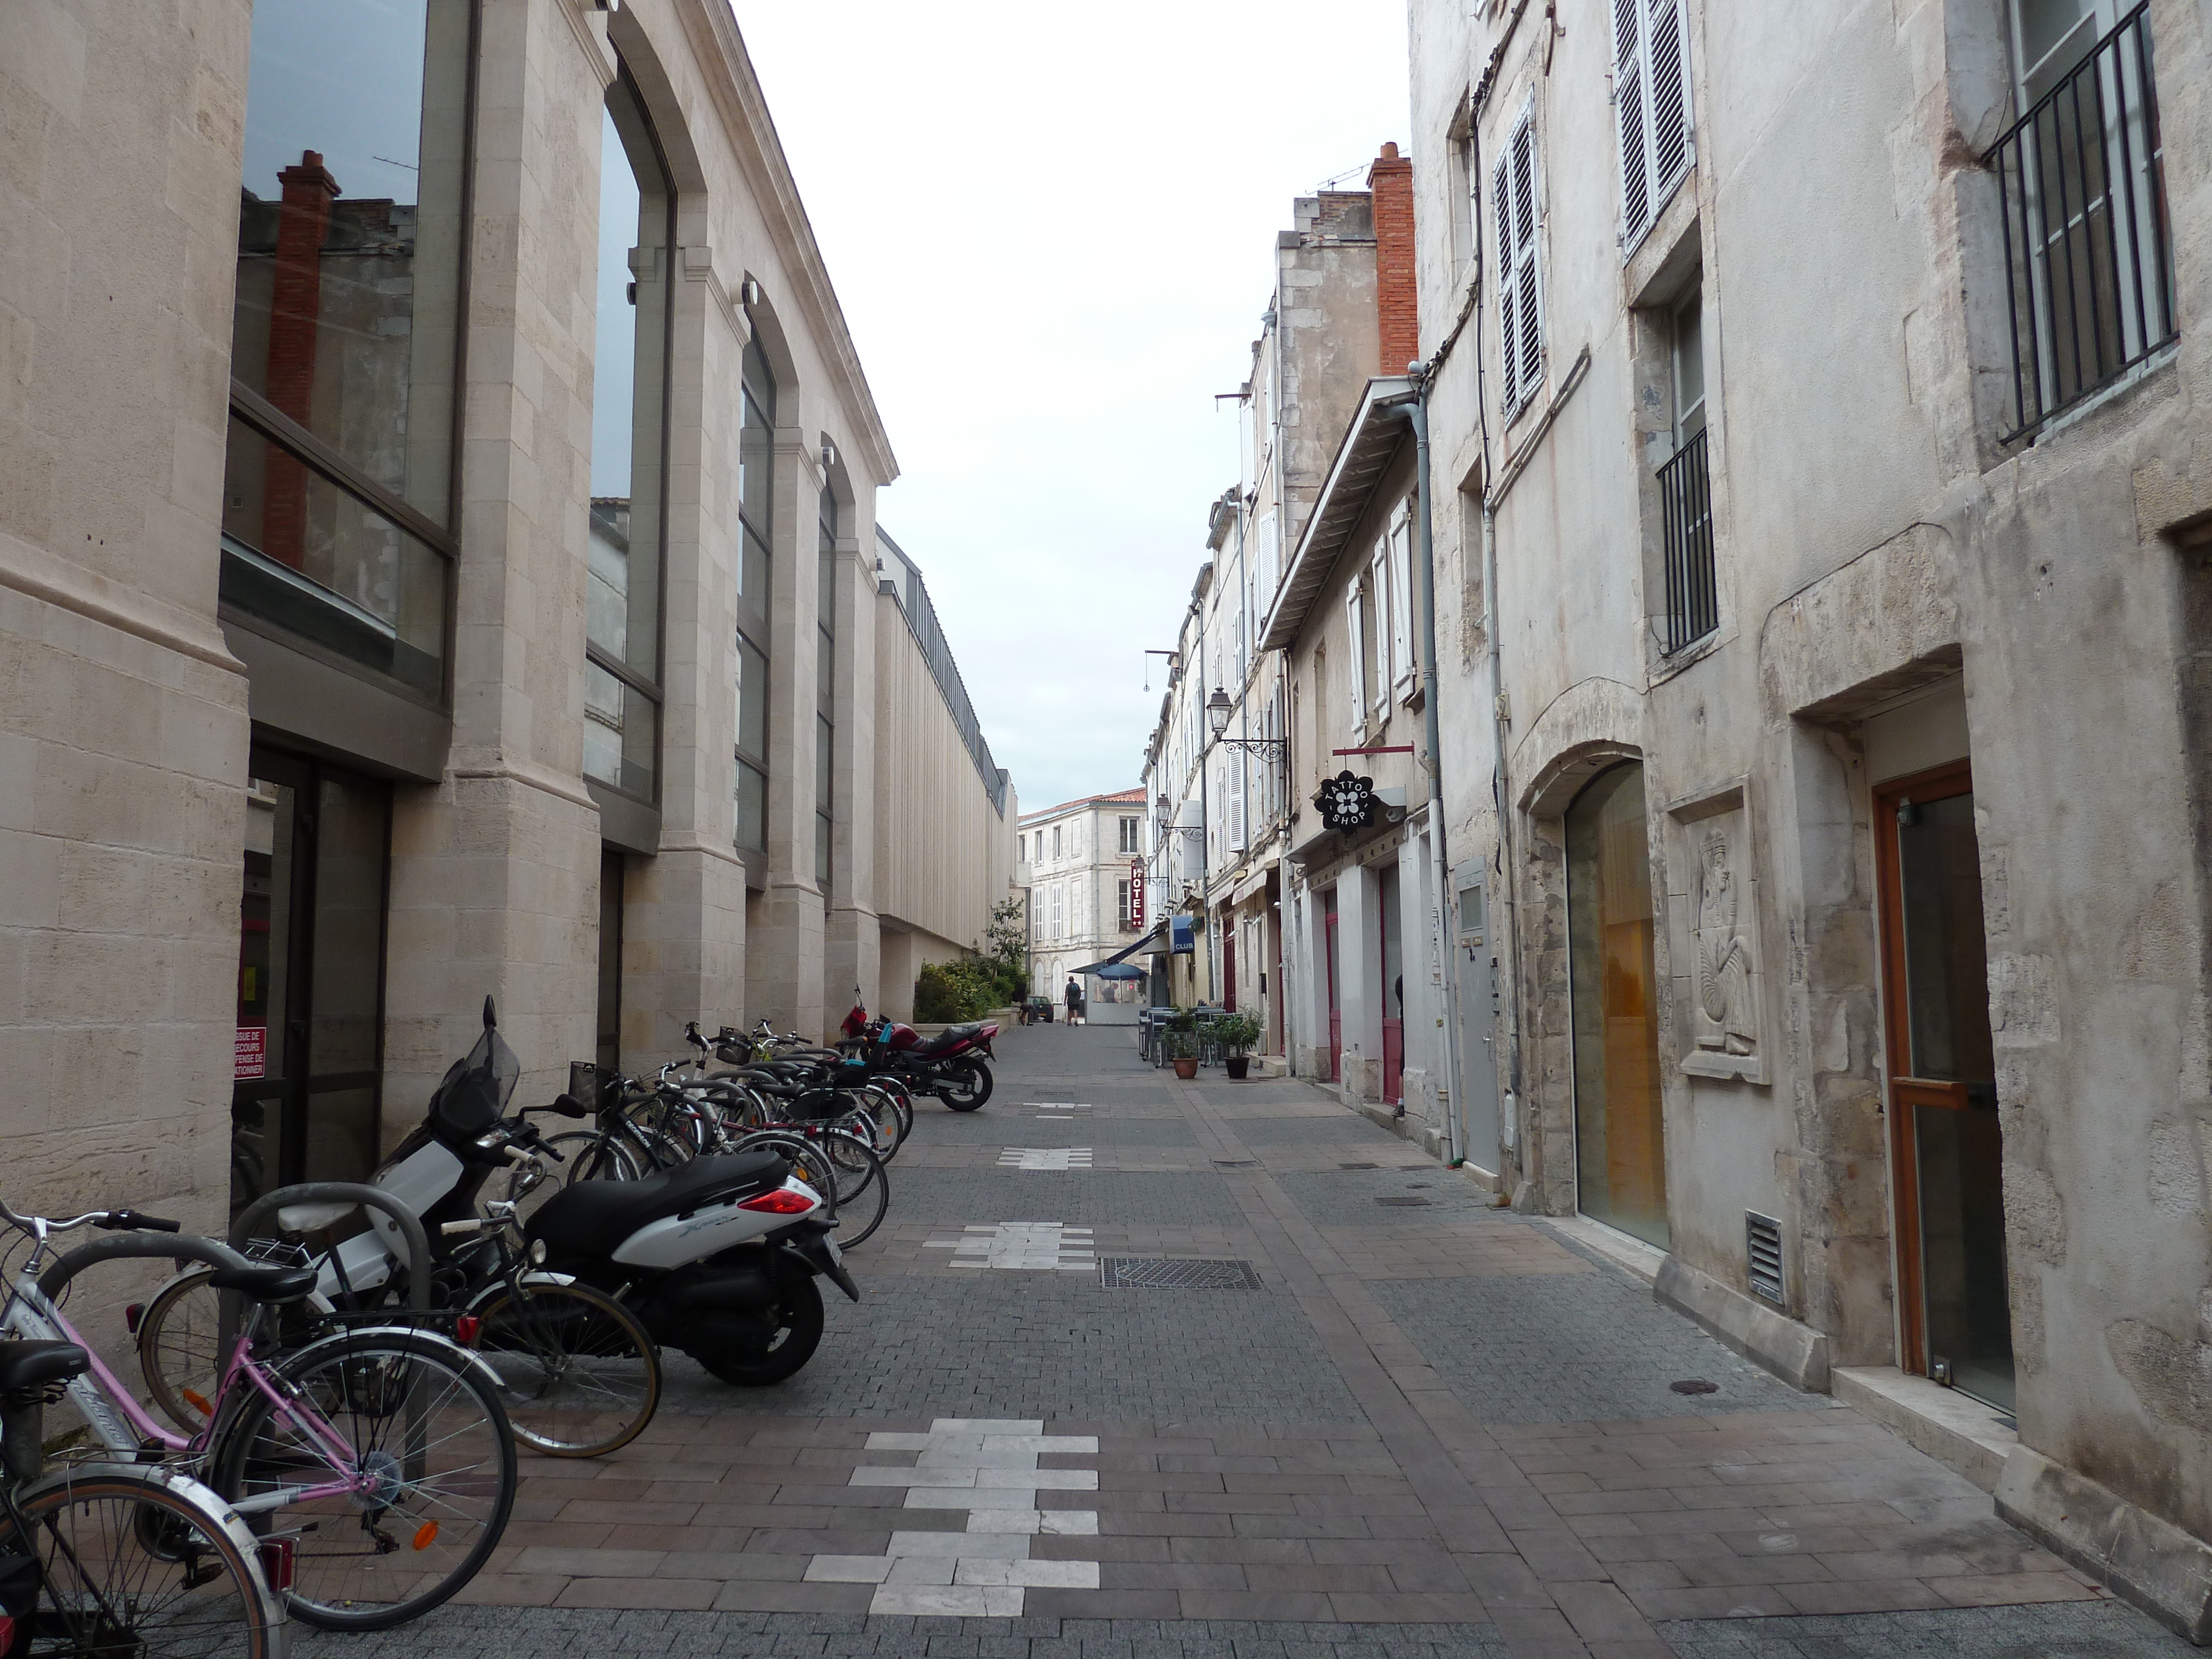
(2081, 181)
(1686, 500)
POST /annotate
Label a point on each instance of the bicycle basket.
(592, 1084)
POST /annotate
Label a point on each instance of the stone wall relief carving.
(1713, 896)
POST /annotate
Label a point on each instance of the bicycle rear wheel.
(579, 1375)
(138, 1564)
(179, 1335)
(428, 1466)
(863, 1185)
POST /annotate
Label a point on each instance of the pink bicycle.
(376, 1466)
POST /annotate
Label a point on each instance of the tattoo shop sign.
(1346, 802)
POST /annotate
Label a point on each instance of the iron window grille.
(2081, 188)
(1687, 510)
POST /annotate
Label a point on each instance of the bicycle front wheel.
(579, 1375)
(390, 1462)
(863, 1184)
(137, 1564)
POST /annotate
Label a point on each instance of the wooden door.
(1946, 1152)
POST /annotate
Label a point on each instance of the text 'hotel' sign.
(1137, 894)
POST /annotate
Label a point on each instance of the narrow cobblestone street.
(1406, 1424)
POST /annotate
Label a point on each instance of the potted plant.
(1182, 1042)
(1237, 1033)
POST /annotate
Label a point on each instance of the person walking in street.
(1074, 1002)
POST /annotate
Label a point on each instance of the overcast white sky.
(1052, 229)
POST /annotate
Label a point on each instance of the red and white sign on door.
(1137, 894)
(252, 1054)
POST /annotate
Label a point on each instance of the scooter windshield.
(475, 1089)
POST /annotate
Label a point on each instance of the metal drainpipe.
(1509, 935)
(1417, 411)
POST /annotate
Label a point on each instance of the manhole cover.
(1695, 1385)
(1130, 1272)
(1359, 1166)
(1402, 1203)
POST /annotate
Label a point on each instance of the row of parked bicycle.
(345, 1379)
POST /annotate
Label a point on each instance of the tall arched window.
(825, 707)
(629, 391)
(756, 499)
(337, 487)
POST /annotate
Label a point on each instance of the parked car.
(1035, 1009)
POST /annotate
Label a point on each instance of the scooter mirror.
(491, 1019)
(569, 1106)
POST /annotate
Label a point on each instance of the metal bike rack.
(347, 1192)
(418, 1269)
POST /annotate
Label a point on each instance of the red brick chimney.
(1397, 303)
(295, 308)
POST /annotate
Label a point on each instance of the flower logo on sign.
(1346, 802)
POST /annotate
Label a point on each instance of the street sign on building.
(1137, 895)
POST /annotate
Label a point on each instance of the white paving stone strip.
(988, 1467)
(1021, 1244)
(1058, 1111)
(1045, 1158)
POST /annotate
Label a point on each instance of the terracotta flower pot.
(1187, 1069)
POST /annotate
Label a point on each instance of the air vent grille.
(1763, 1248)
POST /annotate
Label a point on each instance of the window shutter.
(1509, 329)
(1651, 93)
(1520, 308)
(1355, 660)
(1629, 107)
(1235, 813)
(1401, 600)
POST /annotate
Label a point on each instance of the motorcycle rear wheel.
(966, 1085)
(798, 1317)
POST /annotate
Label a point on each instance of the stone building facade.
(415, 427)
(1820, 504)
(1080, 865)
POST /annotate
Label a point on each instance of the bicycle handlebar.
(112, 1220)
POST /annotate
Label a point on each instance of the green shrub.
(967, 988)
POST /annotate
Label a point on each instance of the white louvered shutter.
(1234, 828)
(1355, 660)
(1651, 96)
(1401, 600)
(1520, 306)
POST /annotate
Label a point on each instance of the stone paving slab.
(1436, 1428)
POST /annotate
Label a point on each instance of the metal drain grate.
(1132, 1273)
(1403, 1203)
(1359, 1166)
(1235, 1163)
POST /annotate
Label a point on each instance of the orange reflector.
(427, 1536)
(197, 1402)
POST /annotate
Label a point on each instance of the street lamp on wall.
(1217, 717)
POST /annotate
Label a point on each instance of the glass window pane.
(752, 808)
(825, 656)
(753, 570)
(752, 699)
(822, 849)
(299, 552)
(349, 230)
(824, 743)
(620, 726)
(629, 363)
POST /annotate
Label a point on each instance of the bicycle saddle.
(40, 1365)
(270, 1285)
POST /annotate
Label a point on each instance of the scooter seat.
(592, 1218)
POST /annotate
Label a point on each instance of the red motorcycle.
(953, 1066)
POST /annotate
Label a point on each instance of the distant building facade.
(1080, 863)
